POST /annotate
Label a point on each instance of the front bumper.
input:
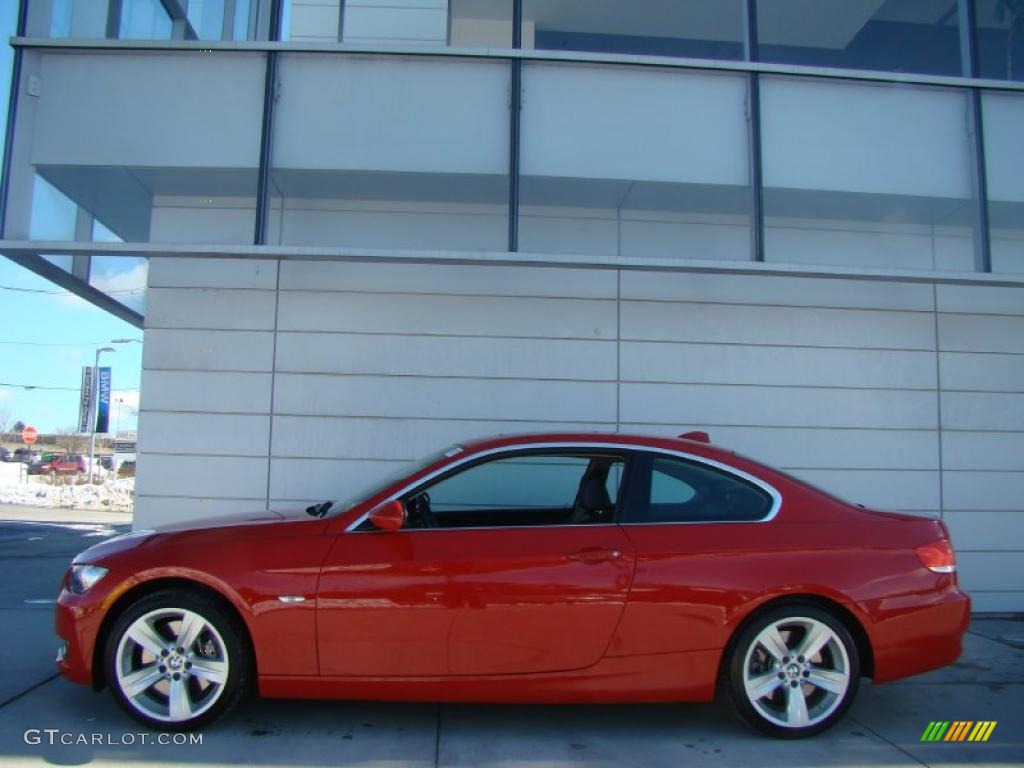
(77, 621)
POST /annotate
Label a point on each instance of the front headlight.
(81, 578)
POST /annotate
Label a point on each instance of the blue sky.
(47, 335)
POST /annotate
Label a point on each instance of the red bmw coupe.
(540, 568)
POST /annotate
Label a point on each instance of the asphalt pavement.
(47, 720)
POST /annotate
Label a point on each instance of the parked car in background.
(58, 465)
(106, 462)
(535, 568)
(24, 455)
(127, 469)
(5, 455)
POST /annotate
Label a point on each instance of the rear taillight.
(938, 556)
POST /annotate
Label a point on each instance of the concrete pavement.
(884, 727)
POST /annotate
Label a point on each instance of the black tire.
(219, 646)
(826, 681)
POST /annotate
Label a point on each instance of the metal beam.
(661, 62)
(969, 54)
(12, 116)
(19, 248)
(266, 158)
(515, 106)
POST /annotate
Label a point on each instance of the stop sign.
(29, 435)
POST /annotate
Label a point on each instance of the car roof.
(626, 440)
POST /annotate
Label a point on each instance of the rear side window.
(675, 490)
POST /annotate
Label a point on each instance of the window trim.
(646, 464)
(628, 449)
(624, 453)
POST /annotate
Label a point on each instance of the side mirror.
(389, 516)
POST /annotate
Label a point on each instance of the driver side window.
(521, 490)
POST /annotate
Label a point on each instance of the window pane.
(165, 146)
(527, 482)
(684, 491)
(867, 175)
(384, 22)
(206, 17)
(666, 489)
(1004, 127)
(481, 23)
(123, 278)
(894, 35)
(85, 19)
(703, 29)
(145, 20)
(522, 490)
(391, 153)
(1000, 35)
(614, 162)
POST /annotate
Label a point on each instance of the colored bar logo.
(959, 730)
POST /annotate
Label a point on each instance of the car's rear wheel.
(793, 671)
(177, 661)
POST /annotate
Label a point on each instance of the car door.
(702, 549)
(542, 572)
(385, 605)
(502, 570)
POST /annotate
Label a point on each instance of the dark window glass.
(544, 489)
(669, 490)
(1000, 35)
(702, 29)
(895, 35)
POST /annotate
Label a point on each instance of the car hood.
(256, 517)
(235, 526)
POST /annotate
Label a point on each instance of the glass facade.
(144, 20)
(390, 153)
(165, 147)
(1004, 129)
(616, 157)
(699, 29)
(613, 163)
(867, 174)
(894, 35)
(999, 27)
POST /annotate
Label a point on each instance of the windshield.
(344, 505)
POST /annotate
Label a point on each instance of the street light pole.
(93, 397)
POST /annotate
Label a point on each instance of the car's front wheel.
(176, 661)
(793, 671)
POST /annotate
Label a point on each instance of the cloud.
(124, 285)
(129, 281)
(129, 400)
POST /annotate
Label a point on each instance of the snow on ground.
(114, 495)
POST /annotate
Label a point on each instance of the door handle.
(594, 555)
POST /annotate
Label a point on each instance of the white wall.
(292, 383)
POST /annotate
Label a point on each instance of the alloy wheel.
(171, 665)
(796, 672)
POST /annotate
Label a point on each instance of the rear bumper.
(917, 638)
